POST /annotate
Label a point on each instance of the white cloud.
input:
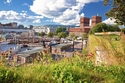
(112, 22)
(109, 21)
(8, 1)
(24, 11)
(49, 20)
(82, 15)
(18, 17)
(61, 11)
(37, 21)
(90, 22)
(25, 4)
(88, 1)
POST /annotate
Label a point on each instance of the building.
(8, 25)
(20, 26)
(11, 30)
(44, 29)
(85, 25)
(14, 25)
(30, 26)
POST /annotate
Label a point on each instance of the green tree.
(75, 37)
(41, 34)
(100, 27)
(123, 30)
(117, 11)
(62, 35)
(84, 35)
(72, 35)
(50, 34)
(113, 28)
(60, 29)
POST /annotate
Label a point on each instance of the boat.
(25, 45)
(4, 42)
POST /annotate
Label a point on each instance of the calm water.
(7, 46)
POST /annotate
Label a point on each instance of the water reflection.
(7, 46)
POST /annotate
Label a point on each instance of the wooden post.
(73, 45)
(82, 44)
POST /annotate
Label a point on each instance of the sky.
(49, 12)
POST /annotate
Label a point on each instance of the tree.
(72, 35)
(117, 11)
(102, 27)
(98, 28)
(60, 29)
(42, 34)
(62, 35)
(123, 30)
(84, 35)
(50, 34)
(75, 37)
(113, 28)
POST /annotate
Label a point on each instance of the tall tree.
(41, 34)
(123, 30)
(72, 35)
(100, 27)
(62, 35)
(84, 35)
(50, 34)
(60, 29)
(117, 11)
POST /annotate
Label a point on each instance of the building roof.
(61, 45)
(27, 53)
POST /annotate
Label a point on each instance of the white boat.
(4, 42)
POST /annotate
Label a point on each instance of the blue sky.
(43, 12)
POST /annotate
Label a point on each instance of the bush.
(7, 76)
(102, 27)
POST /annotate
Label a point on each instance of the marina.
(23, 50)
(17, 53)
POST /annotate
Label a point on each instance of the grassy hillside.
(113, 44)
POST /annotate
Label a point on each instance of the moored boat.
(4, 42)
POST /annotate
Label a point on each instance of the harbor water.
(5, 47)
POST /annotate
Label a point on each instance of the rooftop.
(29, 52)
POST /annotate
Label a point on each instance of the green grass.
(113, 44)
(73, 70)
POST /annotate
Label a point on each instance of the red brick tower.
(84, 22)
(96, 19)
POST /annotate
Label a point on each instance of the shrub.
(7, 76)
(102, 27)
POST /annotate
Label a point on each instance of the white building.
(44, 29)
